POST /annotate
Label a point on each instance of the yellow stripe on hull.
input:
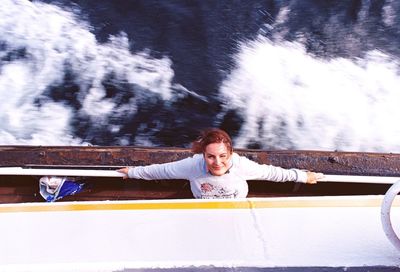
(253, 203)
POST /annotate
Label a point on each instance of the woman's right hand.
(313, 178)
(125, 171)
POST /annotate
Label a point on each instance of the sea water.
(274, 74)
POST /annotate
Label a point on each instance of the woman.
(215, 171)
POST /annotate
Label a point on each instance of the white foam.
(389, 13)
(291, 99)
(54, 39)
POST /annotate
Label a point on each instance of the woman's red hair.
(211, 136)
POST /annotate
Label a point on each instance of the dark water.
(275, 74)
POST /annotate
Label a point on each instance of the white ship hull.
(338, 231)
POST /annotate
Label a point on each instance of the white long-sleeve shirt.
(203, 184)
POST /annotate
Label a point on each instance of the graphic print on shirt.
(209, 190)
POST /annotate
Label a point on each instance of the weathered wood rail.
(341, 163)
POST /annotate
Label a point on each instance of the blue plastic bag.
(55, 188)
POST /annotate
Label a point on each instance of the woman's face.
(217, 157)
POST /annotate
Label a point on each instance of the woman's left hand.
(312, 177)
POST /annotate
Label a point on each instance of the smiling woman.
(216, 145)
(215, 171)
(217, 159)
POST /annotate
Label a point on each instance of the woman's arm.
(182, 169)
(254, 170)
